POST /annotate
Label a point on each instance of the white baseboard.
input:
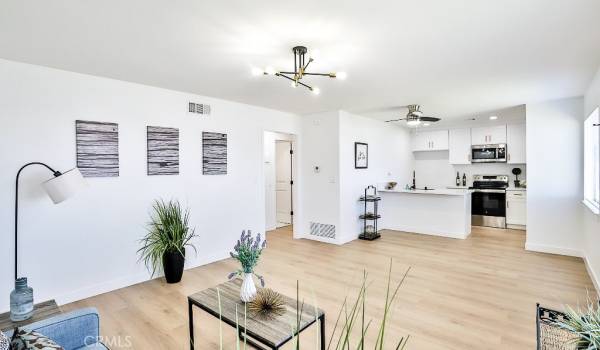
(348, 239)
(101, 288)
(593, 275)
(320, 239)
(543, 248)
(118, 283)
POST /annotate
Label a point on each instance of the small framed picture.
(361, 155)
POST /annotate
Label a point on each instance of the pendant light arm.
(331, 75)
(281, 74)
(306, 66)
(55, 173)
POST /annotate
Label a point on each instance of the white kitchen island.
(444, 212)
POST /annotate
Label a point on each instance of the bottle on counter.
(457, 179)
(464, 182)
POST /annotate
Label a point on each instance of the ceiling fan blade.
(429, 119)
(395, 120)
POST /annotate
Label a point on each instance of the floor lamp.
(61, 187)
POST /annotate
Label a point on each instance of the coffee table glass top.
(275, 331)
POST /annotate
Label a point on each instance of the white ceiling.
(456, 58)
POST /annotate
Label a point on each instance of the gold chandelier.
(300, 67)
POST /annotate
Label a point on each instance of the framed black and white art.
(97, 148)
(214, 153)
(361, 155)
(163, 150)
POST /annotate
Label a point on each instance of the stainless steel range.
(488, 200)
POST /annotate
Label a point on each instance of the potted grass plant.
(584, 324)
(168, 235)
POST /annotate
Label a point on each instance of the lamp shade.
(65, 185)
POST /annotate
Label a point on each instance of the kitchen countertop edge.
(443, 192)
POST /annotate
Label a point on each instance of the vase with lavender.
(247, 251)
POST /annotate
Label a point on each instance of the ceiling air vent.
(199, 108)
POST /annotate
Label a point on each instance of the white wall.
(331, 196)
(270, 138)
(591, 222)
(555, 176)
(88, 244)
(434, 171)
(390, 159)
(320, 189)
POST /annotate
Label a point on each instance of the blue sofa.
(79, 329)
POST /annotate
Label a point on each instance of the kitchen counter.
(442, 191)
(439, 212)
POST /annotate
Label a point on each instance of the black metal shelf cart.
(369, 218)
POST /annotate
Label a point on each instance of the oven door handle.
(489, 191)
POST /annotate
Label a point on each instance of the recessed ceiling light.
(426, 124)
(493, 117)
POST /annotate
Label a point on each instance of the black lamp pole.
(56, 174)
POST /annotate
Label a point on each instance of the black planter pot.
(173, 266)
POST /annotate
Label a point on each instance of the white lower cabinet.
(516, 209)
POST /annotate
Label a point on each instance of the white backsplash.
(434, 171)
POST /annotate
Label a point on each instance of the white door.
(283, 182)
(460, 146)
(515, 143)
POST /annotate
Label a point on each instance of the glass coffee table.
(259, 333)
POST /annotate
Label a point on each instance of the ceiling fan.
(415, 117)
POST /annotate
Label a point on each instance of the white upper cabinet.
(460, 146)
(420, 142)
(488, 135)
(515, 145)
(430, 140)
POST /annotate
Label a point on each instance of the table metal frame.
(252, 338)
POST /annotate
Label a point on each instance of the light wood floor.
(478, 293)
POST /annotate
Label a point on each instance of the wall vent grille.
(199, 108)
(322, 230)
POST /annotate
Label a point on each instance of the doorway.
(279, 172)
(283, 183)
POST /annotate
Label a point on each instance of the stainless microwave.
(488, 153)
